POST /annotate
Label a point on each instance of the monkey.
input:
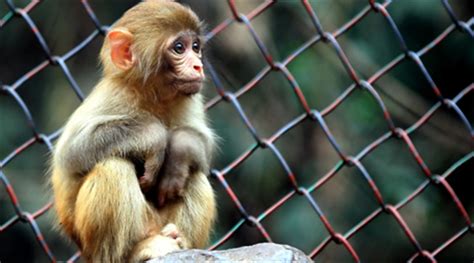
(129, 171)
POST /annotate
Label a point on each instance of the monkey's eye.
(179, 48)
(196, 46)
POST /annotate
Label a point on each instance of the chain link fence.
(250, 219)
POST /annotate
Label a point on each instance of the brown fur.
(136, 120)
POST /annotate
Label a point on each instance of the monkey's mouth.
(189, 86)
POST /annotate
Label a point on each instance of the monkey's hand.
(150, 174)
(186, 155)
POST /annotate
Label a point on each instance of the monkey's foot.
(167, 241)
(171, 231)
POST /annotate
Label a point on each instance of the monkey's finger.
(146, 182)
(163, 193)
(165, 196)
(151, 168)
(161, 199)
(177, 187)
(167, 192)
(173, 194)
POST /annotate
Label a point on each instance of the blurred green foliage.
(260, 181)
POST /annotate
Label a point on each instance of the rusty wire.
(317, 116)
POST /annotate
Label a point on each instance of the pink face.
(185, 62)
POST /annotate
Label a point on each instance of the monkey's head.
(156, 44)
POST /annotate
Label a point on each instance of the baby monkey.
(129, 171)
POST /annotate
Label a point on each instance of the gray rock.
(264, 252)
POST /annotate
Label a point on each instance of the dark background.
(260, 181)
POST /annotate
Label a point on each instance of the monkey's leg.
(189, 222)
(111, 214)
(196, 215)
(65, 192)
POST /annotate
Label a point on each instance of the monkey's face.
(184, 63)
(156, 46)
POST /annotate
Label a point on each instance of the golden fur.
(132, 113)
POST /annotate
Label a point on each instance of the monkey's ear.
(120, 41)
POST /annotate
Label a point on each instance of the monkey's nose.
(198, 68)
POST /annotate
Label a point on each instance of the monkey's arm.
(85, 145)
(188, 151)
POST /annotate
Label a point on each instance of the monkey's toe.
(156, 246)
(170, 230)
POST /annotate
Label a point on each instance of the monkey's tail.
(111, 212)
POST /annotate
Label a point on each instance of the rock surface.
(268, 252)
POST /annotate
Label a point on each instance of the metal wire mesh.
(393, 132)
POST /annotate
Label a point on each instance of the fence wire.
(393, 132)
